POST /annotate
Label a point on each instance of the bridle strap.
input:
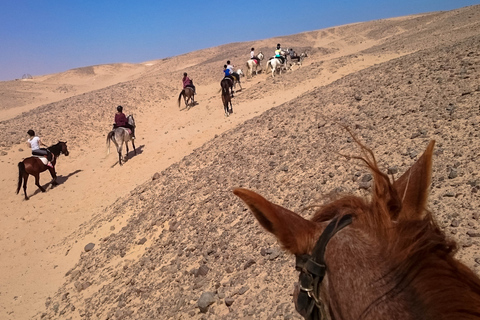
(313, 268)
(318, 253)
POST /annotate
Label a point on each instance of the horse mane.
(419, 253)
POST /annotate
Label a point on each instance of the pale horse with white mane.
(251, 65)
(276, 64)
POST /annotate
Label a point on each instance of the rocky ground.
(200, 243)
(182, 246)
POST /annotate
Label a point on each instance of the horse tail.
(21, 171)
(180, 97)
(109, 137)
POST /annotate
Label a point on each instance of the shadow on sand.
(60, 180)
(193, 104)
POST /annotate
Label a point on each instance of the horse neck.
(56, 149)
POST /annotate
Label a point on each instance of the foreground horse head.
(379, 258)
(34, 166)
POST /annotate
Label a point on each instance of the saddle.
(43, 158)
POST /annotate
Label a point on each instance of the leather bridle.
(312, 271)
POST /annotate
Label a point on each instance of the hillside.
(160, 243)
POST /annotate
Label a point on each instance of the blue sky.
(46, 36)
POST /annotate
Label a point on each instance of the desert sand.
(166, 226)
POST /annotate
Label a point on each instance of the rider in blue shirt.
(228, 75)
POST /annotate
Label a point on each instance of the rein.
(312, 271)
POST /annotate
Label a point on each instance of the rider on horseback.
(278, 54)
(228, 75)
(34, 142)
(234, 76)
(121, 121)
(187, 82)
(254, 57)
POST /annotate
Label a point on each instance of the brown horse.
(188, 96)
(34, 166)
(226, 86)
(386, 257)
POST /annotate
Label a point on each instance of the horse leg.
(126, 146)
(231, 107)
(134, 150)
(37, 182)
(25, 179)
(119, 150)
(54, 176)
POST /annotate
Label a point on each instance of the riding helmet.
(119, 108)
(31, 132)
(184, 74)
(278, 45)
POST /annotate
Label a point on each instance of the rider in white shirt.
(34, 142)
(253, 56)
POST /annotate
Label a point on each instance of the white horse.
(120, 135)
(251, 65)
(236, 80)
(276, 65)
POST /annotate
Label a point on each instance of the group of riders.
(35, 143)
(228, 69)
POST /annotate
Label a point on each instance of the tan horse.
(253, 66)
(188, 96)
(386, 257)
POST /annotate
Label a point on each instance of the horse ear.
(294, 232)
(413, 186)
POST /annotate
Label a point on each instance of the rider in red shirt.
(187, 82)
(121, 121)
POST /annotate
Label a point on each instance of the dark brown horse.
(226, 87)
(34, 166)
(188, 96)
(386, 257)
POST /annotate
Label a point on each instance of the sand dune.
(399, 82)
